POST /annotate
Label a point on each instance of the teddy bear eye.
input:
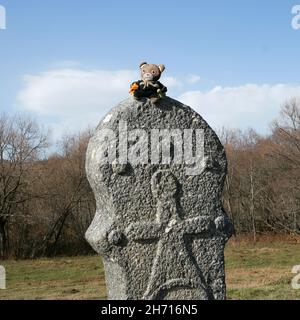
(153, 71)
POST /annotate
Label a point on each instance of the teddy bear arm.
(162, 87)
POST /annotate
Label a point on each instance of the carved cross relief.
(173, 265)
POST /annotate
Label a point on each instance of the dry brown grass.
(264, 238)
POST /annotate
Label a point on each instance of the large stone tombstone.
(160, 226)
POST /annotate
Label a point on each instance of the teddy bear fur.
(149, 86)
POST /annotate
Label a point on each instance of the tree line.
(46, 203)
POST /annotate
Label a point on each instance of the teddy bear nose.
(148, 75)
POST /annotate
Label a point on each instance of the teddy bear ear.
(161, 67)
(143, 63)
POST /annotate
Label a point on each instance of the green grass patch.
(59, 278)
(261, 271)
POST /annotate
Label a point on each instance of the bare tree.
(46, 203)
(21, 143)
(286, 155)
(69, 194)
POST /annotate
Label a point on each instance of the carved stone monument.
(157, 172)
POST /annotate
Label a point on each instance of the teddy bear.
(149, 86)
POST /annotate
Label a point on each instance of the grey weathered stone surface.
(161, 232)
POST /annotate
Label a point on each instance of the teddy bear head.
(151, 72)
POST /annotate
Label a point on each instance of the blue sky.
(234, 61)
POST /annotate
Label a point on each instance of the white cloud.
(67, 92)
(72, 99)
(244, 106)
(192, 78)
(171, 82)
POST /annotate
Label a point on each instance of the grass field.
(261, 271)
